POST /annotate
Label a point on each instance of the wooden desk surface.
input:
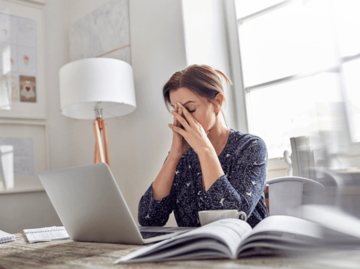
(70, 254)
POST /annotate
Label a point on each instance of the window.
(299, 59)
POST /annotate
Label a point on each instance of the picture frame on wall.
(22, 79)
(104, 32)
(23, 154)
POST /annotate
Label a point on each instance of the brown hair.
(202, 80)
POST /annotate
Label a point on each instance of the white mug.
(213, 215)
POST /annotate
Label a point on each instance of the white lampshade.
(96, 83)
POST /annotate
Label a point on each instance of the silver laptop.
(91, 207)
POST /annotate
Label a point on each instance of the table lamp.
(97, 88)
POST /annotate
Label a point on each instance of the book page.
(194, 250)
(288, 224)
(278, 232)
(332, 218)
(231, 231)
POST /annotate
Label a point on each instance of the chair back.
(286, 194)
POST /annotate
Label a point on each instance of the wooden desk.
(69, 254)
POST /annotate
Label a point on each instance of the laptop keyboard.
(146, 235)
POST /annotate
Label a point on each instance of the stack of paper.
(5, 237)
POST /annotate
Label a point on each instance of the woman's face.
(199, 107)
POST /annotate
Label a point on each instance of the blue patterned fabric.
(244, 162)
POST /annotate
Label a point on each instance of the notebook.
(5, 237)
(46, 234)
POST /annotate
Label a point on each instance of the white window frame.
(241, 92)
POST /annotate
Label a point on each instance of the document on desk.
(5, 237)
(46, 234)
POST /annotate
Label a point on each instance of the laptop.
(91, 207)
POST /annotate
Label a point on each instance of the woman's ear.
(219, 98)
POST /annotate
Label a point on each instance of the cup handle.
(242, 215)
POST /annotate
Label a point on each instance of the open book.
(232, 239)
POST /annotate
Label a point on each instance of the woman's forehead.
(184, 96)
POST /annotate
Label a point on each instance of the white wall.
(61, 141)
(206, 43)
(26, 210)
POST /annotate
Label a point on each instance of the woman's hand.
(193, 131)
(179, 144)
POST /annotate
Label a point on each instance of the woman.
(209, 166)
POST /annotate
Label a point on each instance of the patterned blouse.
(244, 162)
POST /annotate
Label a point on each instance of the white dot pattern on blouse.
(244, 162)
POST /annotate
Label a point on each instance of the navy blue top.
(244, 162)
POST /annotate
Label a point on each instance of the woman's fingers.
(177, 129)
(180, 119)
(175, 120)
(189, 118)
(181, 113)
(176, 109)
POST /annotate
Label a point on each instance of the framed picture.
(23, 154)
(22, 79)
(105, 32)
